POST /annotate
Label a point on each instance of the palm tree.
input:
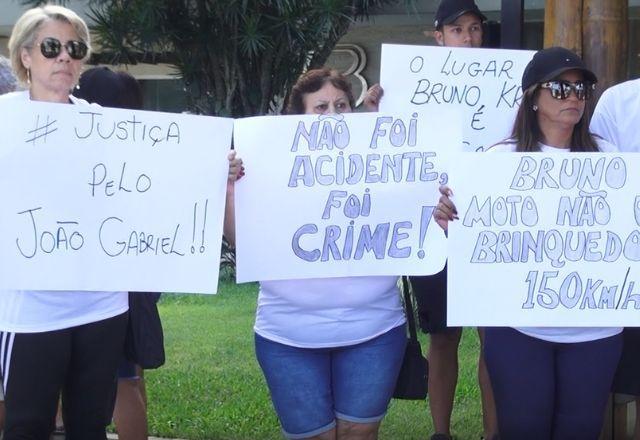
(236, 57)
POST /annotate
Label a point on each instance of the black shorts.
(431, 297)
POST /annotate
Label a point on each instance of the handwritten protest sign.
(545, 240)
(341, 195)
(483, 83)
(105, 199)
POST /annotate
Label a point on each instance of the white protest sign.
(483, 83)
(106, 199)
(545, 240)
(341, 195)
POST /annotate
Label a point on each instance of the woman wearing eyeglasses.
(56, 342)
(550, 383)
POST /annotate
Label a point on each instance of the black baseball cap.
(548, 63)
(450, 10)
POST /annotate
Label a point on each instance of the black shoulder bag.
(412, 380)
(144, 343)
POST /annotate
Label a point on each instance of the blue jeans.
(312, 387)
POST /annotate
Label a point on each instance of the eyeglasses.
(562, 89)
(50, 48)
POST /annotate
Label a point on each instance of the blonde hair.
(26, 29)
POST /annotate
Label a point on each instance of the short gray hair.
(26, 29)
(8, 81)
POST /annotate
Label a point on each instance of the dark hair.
(526, 133)
(102, 86)
(132, 96)
(313, 80)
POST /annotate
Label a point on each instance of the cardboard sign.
(341, 195)
(108, 199)
(545, 240)
(484, 84)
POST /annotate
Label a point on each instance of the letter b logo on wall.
(351, 60)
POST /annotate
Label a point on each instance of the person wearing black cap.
(548, 382)
(458, 23)
(616, 119)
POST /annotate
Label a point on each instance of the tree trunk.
(563, 24)
(597, 30)
(605, 40)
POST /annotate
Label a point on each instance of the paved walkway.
(110, 437)
(115, 437)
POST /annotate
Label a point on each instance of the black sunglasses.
(50, 48)
(562, 89)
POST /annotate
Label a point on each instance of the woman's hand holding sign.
(445, 211)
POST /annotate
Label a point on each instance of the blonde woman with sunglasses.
(549, 383)
(54, 343)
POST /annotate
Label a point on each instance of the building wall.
(358, 52)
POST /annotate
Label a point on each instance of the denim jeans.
(311, 388)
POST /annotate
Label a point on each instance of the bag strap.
(408, 308)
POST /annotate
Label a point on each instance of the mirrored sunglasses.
(50, 48)
(562, 89)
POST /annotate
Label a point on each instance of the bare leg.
(443, 377)
(329, 435)
(130, 412)
(489, 417)
(1, 415)
(143, 384)
(636, 434)
(59, 419)
(357, 431)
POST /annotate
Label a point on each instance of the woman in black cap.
(616, 119)
(550, 383)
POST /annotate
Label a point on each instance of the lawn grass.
(212, 388)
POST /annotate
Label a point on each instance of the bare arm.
(236, 171)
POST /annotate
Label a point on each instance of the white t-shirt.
(25, 311)
(331, 312)
(563, 334)
(617, 116)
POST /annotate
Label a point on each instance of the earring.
(535, 108)
(29, 76)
